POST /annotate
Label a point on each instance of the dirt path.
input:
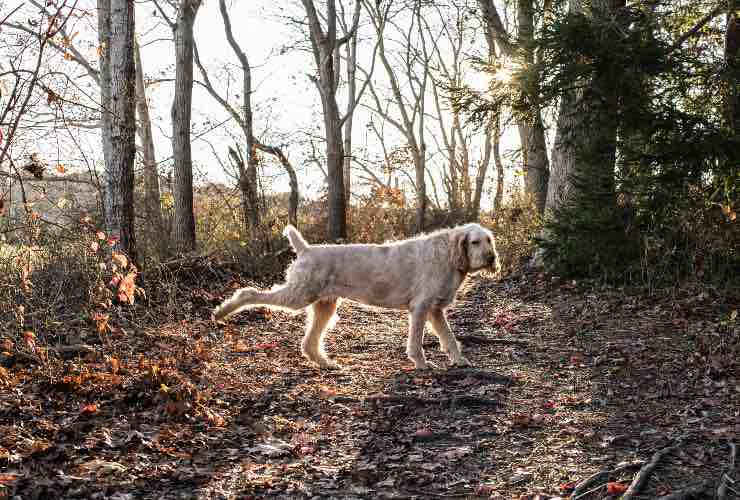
(567, 382)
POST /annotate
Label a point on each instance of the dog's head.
(473, 248)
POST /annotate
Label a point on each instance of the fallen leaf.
(484, 490)
(423, 434)
(8, 478)
(521, 420)
(264, 346)
(615, 488)
(567, 487)
(88, 409)
(327, 392)
(30, 339)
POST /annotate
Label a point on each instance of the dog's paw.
(461, 362)
(328, 364)
(426, 366)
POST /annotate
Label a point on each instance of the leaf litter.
(573, 385)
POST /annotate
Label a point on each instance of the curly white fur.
(420, 275)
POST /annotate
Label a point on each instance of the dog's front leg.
(447, 340)
(414, 349)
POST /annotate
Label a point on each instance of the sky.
(287, 105)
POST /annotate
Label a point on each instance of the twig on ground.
(601, 478)
(592, 490)
(726, 475)
(485, 339)
(644, 474)
(391, 399)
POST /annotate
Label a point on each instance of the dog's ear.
(459, 251)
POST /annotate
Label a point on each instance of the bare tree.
(116, 25)
(531, 131)
(244, 119)
(351, 69)
(457, 138)
(152, 204)
(411, 109)
(324, 44)
(66, 47)
(183, 220)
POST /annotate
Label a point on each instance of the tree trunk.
(421, 189)
(536, 165)
(183, 222)
(732, 63)
(492, 133)
(532, 133)
(337, 229)
(248, 188)
(119, 172)
(152, 203)
(324, 44)
(351, 97)
(586, 134)
(104, 72)
(499, 198)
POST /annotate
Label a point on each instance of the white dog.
(420, 275)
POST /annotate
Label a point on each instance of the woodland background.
(148, 164)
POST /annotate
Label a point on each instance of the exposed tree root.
(454, 401)
(643, 475)
(727, 476)
(596, 481)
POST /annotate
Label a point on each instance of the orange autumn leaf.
(61, 168)
(567, 487)
(115, 365)
(8, 478)
(30, 339)
(120, 259)
(326, 392)
(615, 488)
(262, 347)
(101, 322)
(89, 409)
(126, 288)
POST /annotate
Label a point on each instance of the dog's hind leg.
(320, 314)
(281, 296)
(414, 349)
(447, 340)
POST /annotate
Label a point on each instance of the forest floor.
(569, 380)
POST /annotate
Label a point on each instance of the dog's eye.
(474, 242)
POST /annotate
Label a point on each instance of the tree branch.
(695, 29)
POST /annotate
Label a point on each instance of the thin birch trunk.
(119, 175)
(183, 222)
(152, 204)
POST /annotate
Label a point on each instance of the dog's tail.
(295, 238)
